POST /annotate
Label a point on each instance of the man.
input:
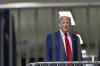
(57, 48)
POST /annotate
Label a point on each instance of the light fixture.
(81, 41)
(67, 13)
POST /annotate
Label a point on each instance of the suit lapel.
(61, 46)
(73, 44)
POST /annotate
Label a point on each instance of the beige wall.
(46, 21)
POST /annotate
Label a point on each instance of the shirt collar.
(62, 33)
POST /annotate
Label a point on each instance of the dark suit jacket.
(55, 48)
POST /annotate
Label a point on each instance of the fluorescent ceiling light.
(81, 41)
(67, 13)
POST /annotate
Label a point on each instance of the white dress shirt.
(69, 38)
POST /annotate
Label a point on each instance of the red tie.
(68, 49)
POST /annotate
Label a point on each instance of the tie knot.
(65, 34)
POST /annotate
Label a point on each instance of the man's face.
(64, 23)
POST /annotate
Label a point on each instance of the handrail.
(63, 62)
(47, 5)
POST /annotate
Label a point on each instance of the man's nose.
(65, 24)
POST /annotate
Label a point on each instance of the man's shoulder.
(74, 35)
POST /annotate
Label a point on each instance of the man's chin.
(65, 31)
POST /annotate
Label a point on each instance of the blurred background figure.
(7, 36)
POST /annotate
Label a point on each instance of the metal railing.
(62, 62)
